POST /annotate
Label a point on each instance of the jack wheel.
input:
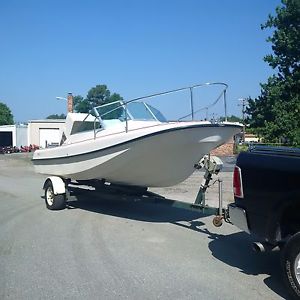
(218, 221)
(54, 202)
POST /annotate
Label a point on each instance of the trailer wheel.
(291, 265)
(53, 202)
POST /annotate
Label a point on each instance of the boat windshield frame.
(127, 115)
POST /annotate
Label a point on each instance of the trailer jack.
(212, 166)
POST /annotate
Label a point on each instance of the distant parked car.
(14, 149)
(25, 149)
(29, 148)
(10, 149)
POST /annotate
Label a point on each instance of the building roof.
(48, 121)
(13, 126)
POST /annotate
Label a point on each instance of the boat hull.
(159, 158)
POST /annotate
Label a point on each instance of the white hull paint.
(155, 156)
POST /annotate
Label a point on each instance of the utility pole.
(244, 103)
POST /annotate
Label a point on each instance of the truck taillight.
(237, 183)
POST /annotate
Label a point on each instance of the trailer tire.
(53, 202)
(291, 265)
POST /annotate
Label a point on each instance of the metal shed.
(13, 135)
(45, 133)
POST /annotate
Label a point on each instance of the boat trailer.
(59, 191)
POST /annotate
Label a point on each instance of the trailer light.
(237, 183)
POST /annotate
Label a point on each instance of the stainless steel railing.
(191, 89)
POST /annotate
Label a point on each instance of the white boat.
(131, 143)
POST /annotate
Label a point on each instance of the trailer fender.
(58, 184)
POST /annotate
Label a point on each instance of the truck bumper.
(238, 217)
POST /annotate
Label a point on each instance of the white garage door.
(49, 137)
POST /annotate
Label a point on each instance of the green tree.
(232, 118)
(96, 96)
(275, 114)
(81, 105)
(56, 116)
(6, 117)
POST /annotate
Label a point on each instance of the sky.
(136, 47)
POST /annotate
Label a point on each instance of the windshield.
(139, 111)
(110, 111)
(135, 111)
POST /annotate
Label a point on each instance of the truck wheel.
(291, 265)
(54, 202)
